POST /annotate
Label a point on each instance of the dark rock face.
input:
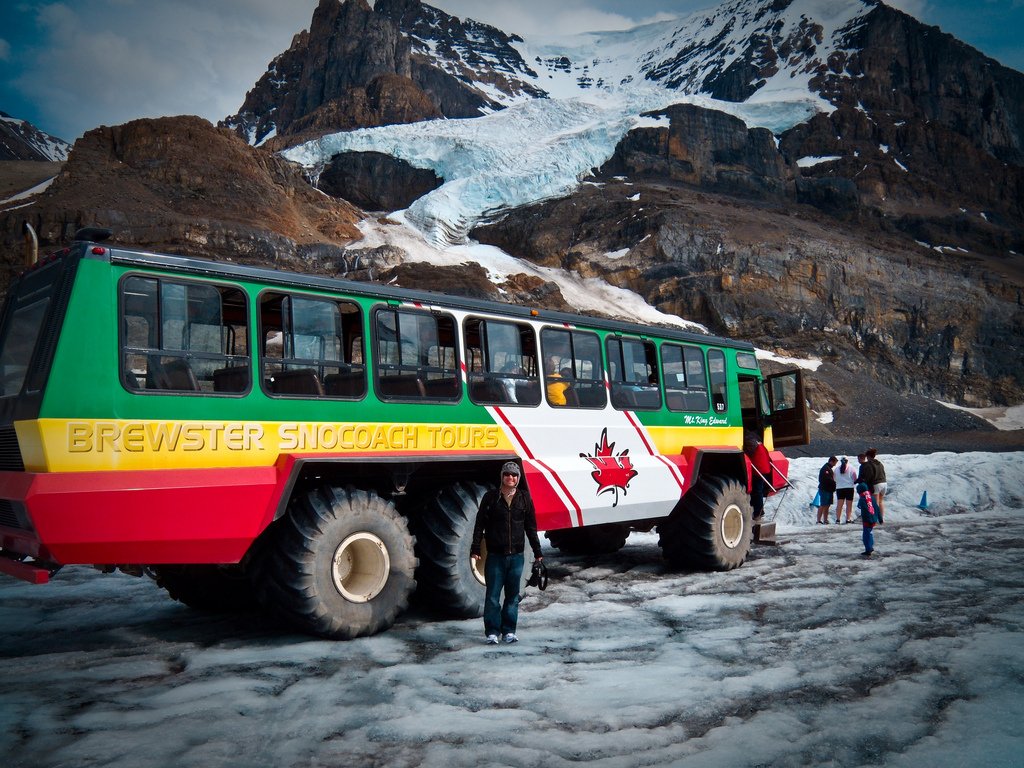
(376, 182)
(903, 67)
(913, 319)
(353, 68)
(180, 185)
(463, 48)
(704, 148)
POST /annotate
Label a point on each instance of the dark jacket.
(879, 471)
(866, 474)
(826, 478)
(505, 527)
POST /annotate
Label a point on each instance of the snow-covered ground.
(808, 655)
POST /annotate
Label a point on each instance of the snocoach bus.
(321, 445)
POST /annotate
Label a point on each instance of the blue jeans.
(869, 539)
(502, 573)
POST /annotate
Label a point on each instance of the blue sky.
(70, 66)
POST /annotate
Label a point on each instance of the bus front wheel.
(711, 528)
(341, 564)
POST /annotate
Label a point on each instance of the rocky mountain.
(828, 178)
(183, 186)
(20, 140)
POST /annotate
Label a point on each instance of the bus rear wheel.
(711, 528)
(450, 582)
(341, 564)
(591, 540)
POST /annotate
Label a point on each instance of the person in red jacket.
(760, 474)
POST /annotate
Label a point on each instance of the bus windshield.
(19, 343)
(23, 322)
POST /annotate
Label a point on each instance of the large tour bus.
(320, 445)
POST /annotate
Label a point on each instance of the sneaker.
(510, 638)
(492, 639)
(868, 553)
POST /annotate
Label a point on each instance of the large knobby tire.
(212, 588)
(591, 540)
(339, 565)
(711, 528)
(448, 580)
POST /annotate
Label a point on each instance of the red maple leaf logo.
(611, 472)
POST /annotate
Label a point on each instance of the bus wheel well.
(407, 483)
(728, 464)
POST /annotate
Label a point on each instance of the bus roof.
(207, 268)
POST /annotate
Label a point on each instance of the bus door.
(753, 405)
(789, 422)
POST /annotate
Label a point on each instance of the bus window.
(311, 347)
(633, 365)
(746, 360)
(686, 383)
(183, 337)
(573, 373)
(716, 367)
(416, 357)
(502, 362)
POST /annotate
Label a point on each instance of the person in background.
(846, 479)
(760, 475)
(506, 519)
(878, 485)
(866, 471)
(556, 384)
(826, 489)
(868, 517)
(508, 383)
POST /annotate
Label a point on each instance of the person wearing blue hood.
(868, 517)
(505, 520)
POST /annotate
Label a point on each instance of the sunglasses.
(510, 474)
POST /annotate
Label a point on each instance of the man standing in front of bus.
(506, 518)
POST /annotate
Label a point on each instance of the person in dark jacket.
(826, 489)
(879, 487)
(505, 520)
(866, 472)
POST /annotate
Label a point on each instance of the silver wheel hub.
(732, 527)
(361, 566)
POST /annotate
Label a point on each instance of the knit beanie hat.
(511, 468)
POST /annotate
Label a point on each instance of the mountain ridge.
(20, 140)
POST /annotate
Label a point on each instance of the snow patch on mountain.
(596, 86)
(584, 295)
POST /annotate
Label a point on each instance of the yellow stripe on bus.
(671, 441)
(82, 445)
